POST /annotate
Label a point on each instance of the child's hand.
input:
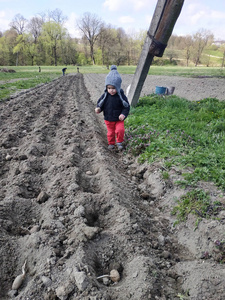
(97, 110)
(121, 117)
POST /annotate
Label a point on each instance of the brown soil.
(74, 211)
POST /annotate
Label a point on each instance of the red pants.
(115, 129)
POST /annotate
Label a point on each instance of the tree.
(120, 52)
(222, 48)
(90, 25)
(10, 37)
(135, 43)
(171, 54)
(105, 42)
(200, 40)
(51, 36)
(18, 23)
(188, 44)
(57, 16)
(34, 26)
(26, 46)
(4, 52)
(84, 50)
(69, 51)
(185, 43)
(113, 43)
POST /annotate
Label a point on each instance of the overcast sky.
(132, 15)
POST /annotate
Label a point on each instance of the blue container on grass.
(160, 90)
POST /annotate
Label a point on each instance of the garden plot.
(73, 211)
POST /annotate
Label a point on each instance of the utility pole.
(161, 27)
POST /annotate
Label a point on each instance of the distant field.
(29, 76)
(154, 70)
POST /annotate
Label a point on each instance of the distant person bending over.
(115, 107)
(64, 71)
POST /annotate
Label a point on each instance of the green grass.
(190, 134)
(154, 70)
(157, 70)
(23, 80)
(216, 53)
(70, 69)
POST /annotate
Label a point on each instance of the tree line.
(44, 40)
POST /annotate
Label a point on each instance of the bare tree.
(188, 43)
(34, 27)
(90, 25)
(53, 15)
(200, 40)
(120, 47)
(105, 43)
(43, 16)
(18, 23)
(57, 16)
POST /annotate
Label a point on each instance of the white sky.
(132, 15)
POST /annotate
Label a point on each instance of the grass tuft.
(196, 202)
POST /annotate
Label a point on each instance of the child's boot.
(111, 147)
(119, 146)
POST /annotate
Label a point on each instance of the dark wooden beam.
(165, 16)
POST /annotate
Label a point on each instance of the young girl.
(115, 107)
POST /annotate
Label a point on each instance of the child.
(115, 107)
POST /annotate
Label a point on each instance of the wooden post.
(160, 30)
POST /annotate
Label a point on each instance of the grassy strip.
(180, 132)
(28, 80)
(154, 70)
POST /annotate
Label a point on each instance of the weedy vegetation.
(198, 203)
(190, 134)
(186, 134)
(220, 246)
